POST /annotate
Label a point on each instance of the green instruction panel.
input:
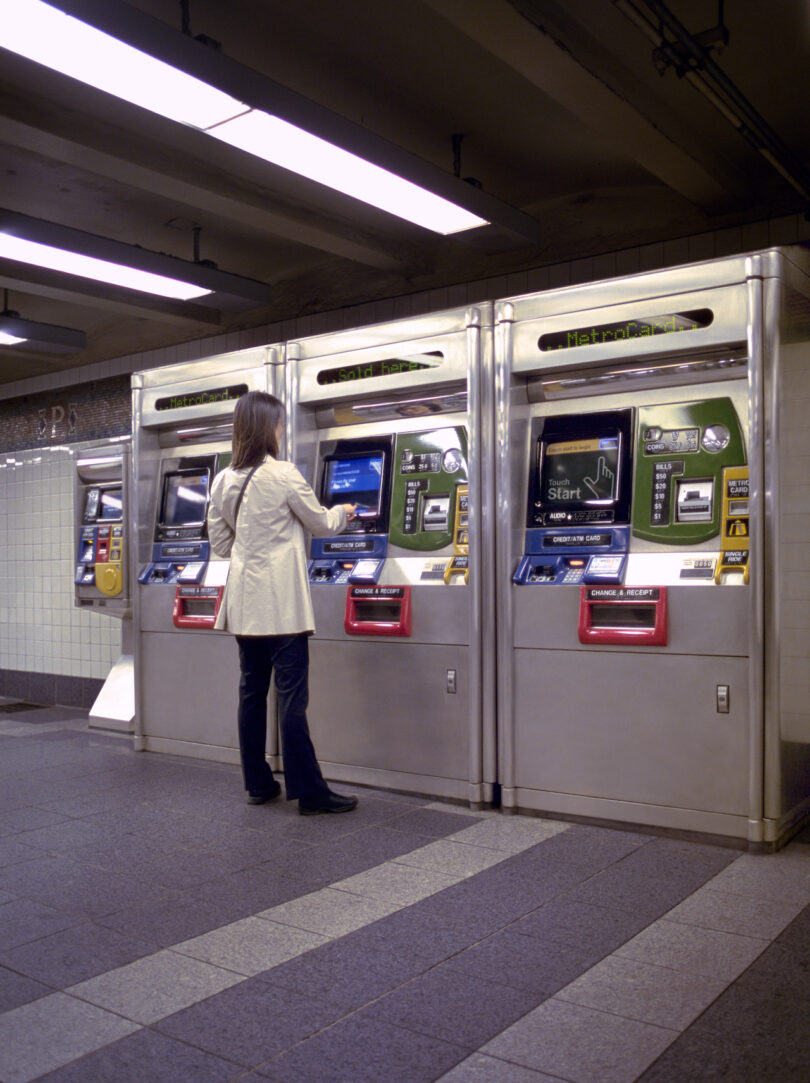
(681, 451)
(428, 467)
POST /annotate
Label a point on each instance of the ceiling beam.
(78, 152)
(499, 28)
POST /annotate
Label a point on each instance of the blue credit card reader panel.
(555, 556)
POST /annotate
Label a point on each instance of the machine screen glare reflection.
(579, 471)
(355, 480)
(111, 505)
(185, 499)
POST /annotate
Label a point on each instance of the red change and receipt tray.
(623, 616)
(378, 611)
(196, 606)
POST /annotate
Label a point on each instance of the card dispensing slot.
(196, 606)
(623, 615)
(378, 611)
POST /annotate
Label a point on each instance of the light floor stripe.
(145, 991)
(617, 1018)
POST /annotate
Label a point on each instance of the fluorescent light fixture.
(50, 36)
(59, 41)
(86, 256)
(100, 270)
(38, 337)
(292, 148)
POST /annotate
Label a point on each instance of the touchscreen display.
(111, 505)
(185, 499)
(355, 480)
(579, 471)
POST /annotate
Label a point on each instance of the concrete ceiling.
(563, 111)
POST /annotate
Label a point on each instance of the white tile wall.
(41, 631)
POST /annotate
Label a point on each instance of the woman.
(266, 603)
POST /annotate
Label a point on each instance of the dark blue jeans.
(288, 657)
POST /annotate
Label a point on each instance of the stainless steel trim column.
(133, 556)
(477, 565)
(290, 397)
(502, 533)
(485, 550)
(768, 544)
(760, 496)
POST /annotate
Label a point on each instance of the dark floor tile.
(514, 889)
(80, 889)
(784, 965)
(74, 954)
(251, 890)
(655, 877)
(65, 836)
(327, 862)
(86, 804)
(251, 847)
(523, 962)
(172, 919)
(415, 931)
(16, 989)
(250, 1022)
(566, 921)
(347, 973)
(147, 1057)
(455, 1006)
(143, 819)
(122, 854)
(27, 818)
(370, 812)
(50, 793)
(433, 822)
(488, 903)
(797, 934)
(24, 920)
(13, 851)
(178, 869)
(62, 735)
(26, 878)
(583, 850)
(753, 1033)
(403, 799)
(363, 1050)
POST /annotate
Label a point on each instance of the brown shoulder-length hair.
(256, 417)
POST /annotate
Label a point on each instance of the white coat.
(267, 592)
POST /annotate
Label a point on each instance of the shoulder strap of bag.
(242, 493)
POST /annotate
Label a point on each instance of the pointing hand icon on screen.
(603, 473)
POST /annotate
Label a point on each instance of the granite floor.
(155, 928)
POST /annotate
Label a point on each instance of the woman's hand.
(350, 510)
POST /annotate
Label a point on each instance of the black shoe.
(266, 795)
(329, 802)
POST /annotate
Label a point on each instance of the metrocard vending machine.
(101, 571)
(646, 670)
(101, 506)
(187, 673)
(401, 678)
